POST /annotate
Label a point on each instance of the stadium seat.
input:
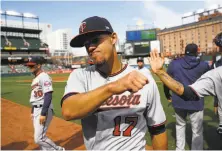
(34, 43)
(3, 41)
(16, 41)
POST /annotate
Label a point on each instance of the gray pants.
(40, 137)
(196, 119)
(219, 110)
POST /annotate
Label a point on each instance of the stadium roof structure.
(24, 30)
(17, 14)
(22, 16)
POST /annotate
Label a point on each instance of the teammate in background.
(41, 100)
(187, 70)
(141, 67)
(114, 101)
(209, 83)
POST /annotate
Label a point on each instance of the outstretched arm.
(156, 63)
(172, 84)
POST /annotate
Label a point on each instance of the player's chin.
(98, 61)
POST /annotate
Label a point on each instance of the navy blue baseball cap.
(191, 50)
(89, 28)
(139, 59)
(35, 60)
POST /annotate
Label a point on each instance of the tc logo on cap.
(82, 27)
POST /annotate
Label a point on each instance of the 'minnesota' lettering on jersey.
(122, 101)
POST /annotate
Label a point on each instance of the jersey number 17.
(129, 120)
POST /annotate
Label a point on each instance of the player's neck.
(140, 67)
(38, 72)
(116, 67)
(111, 67)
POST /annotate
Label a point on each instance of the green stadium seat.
(3, 41)
(16, 41)
(35, 43)
(19, 43)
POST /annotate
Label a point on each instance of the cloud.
(165, 17)
(139, 21)
(161, 16)
(208, 3)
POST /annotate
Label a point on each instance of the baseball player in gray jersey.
(209, 83)
(42, 109)
(141, 68)
(115, 102)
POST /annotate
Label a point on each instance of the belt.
(38, 106)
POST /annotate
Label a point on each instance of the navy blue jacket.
(186, 70)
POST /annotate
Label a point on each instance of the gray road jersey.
(210, 83)
(145, 70)
(121, 122)
(40, 85)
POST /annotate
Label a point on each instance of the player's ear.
(114, 38)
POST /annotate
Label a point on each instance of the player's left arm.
(47, 90)
(156, 118)
(47, 102)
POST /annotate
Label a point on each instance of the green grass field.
(19, 92)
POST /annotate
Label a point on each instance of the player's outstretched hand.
(156, 62)
(133, 82)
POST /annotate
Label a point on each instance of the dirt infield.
(17, 130)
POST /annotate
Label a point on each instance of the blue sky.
(69, 14)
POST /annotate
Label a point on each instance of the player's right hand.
(133, 82)
(156, 62)
(31, 116)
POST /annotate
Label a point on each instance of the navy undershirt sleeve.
(47, 102)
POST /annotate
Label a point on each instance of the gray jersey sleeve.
(209, 83)
(155, 115)
(46, 82)
(75, 83)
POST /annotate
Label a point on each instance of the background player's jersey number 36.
(38, 93)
